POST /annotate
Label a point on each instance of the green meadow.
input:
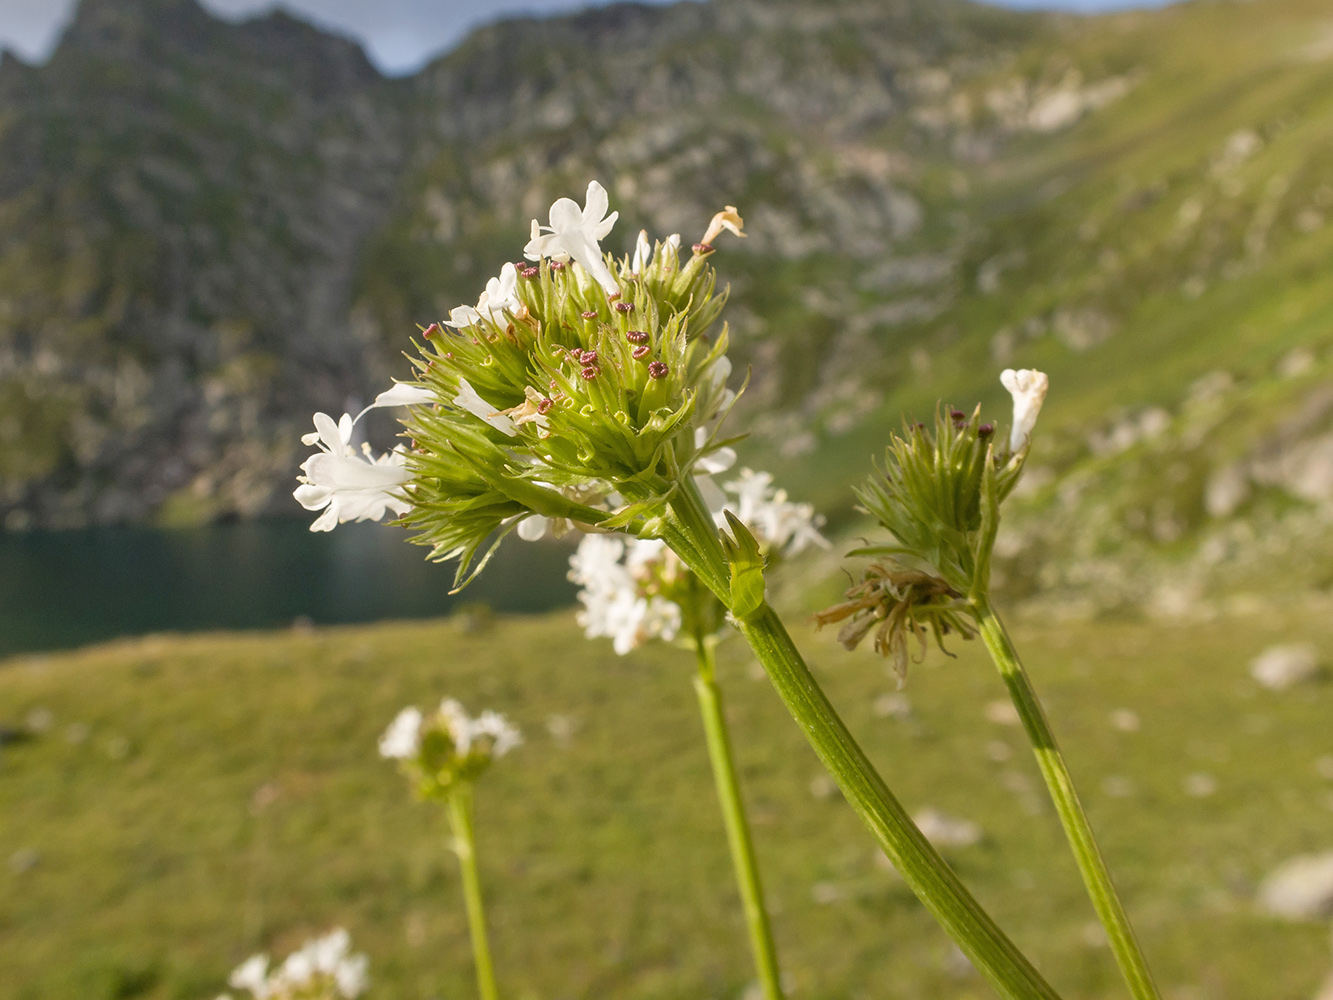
(184, 801)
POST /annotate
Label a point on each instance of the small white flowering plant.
(448, 748)
(634, 590)
(321, 969)
(938, 494)
(588, 391)
(443, 754)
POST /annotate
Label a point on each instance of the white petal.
(462, 316)
(714, 499)
(347, 472)
(328, 433)
(718, 460)
(566, 216)
(312, 497)
(643, 253)
(328, 520)
(403, 394)
(600, 232)
(345, 426)
(469, 400)
(595, 203)
(530, 529)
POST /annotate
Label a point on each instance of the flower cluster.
(581, 389)
(449, 747)
(349, 486)
(321, 970)
(636, 589)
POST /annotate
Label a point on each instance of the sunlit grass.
(199, 798)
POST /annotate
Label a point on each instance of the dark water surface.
(68, 588)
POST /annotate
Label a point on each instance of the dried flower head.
(899, 605)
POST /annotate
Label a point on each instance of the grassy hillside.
(190, 800)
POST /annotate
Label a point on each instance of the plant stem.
(460, 818)
(1075, 821)
(921, 866)
(733, 813)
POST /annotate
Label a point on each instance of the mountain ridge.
(196, 254)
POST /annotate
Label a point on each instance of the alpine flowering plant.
(443, 755)
(588, 391)
(321, 969)
(447, 748)
(576, 399)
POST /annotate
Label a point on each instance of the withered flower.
(904, 604)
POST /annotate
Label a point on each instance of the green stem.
(733, 813)
(1075, 821)
(921, 866)
(460, 818)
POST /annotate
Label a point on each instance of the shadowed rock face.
(183, 203)
(209, 230)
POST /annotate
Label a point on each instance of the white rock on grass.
(1280, 667)
(1300, 888)
(947, 831)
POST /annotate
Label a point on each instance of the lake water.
(68, 588)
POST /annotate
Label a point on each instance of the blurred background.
(217, 218)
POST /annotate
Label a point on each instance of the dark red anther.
(919, 427)
(588, 357)
(624, 307)
(590, 314)
(590, 372)
(530, 272)
(544, 406)
(641, 352)
(702, 248)
(957, 415)
(430, 331)
(449, 355)
(557, 265)
(554, 385)
(658, 370)
(637, 337)
(985, 430)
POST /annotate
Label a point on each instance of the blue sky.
(399, 35)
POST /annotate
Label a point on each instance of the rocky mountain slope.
(211, 229)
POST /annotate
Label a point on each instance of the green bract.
(574, 397)
(939, 494)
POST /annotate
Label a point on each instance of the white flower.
(347, 486)
(776, 522)
(728, 219)
(469, 400)
(578, 233)
(402, 394)
(533, 527)
(252, 975)
(465, 730)
(351, 976)
(612, 604)
(714, 461)
(403, 737)
(500, 294)
(503, 733)
(320, 970)
(1028, 387)
(643, 251)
